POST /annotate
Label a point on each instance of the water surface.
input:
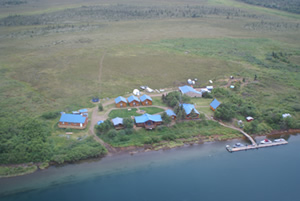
(202, 172)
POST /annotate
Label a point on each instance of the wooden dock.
(249, 147)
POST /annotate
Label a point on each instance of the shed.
(121, 102)
(133, 101)
(214, 104)
(148, 121)
(190, 91)
(100, 122)
(210, 88)
(188, 108)
(171, 114)
(286, 115)
(249, 119)
(72, 121)
(118, 122)
(83, 111)
(146, 100)
(136, 92)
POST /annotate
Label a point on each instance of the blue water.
(203, 172)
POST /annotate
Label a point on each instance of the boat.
(238, 145)
(265, 141)
(280, 140)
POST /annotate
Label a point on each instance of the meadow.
(57, 55)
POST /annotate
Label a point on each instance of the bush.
(112, 133)
(168, 137)
(100, 107)
(50, 115)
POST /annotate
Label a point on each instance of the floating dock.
(248, 147)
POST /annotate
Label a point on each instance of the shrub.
(112, 133)
(100, 107)
(50, 115)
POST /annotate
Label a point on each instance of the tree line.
(90, 14)
(292, 6)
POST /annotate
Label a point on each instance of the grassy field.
(57, 55)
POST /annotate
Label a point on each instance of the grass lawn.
(152, 110)
(123, 113)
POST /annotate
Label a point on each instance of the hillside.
(50, 55)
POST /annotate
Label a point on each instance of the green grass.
(59, 69)
(152, 110)
(123, 113)
(7, 171)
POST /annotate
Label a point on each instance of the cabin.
(171, 114)
(118, 123)
(72, 121)
(214, 104)
(133, 101)
(188, 108)
(190, 91)
(146, 100)
(148, 121)
(121, 102)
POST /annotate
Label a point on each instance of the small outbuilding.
(72, 121)
(171, 114)
(190, 91)
(121, 102)
(214, 104)
(148, 121)
(286, 115)
(136, 92)
(133, 101)
(189, 108)
(248, 119)
(118, 123)
(146, 100)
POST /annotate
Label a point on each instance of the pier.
(249, 147)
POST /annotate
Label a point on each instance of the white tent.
(136, 92)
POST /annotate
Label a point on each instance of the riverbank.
(14, 170)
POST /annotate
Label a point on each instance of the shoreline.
(163, 145)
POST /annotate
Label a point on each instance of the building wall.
(189, 117)
(136, 103)
(212, 108)
(192, 94)
(73, 125)
(173, 117)
(149, 102)
(120, 103)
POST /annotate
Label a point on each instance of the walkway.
(240, 130)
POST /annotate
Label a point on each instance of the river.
(200, 172)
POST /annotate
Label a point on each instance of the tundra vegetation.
(57, 55)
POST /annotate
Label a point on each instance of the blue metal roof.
(100, 122)
(116, 121)
(119, 99)
(83, 110)
(170, 113)
(186, 89)
(72, 118)
(145, 97)
(146, 117)
(132, 98)
(215, 104)
(188, 108)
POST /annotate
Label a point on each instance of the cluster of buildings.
(133, 101)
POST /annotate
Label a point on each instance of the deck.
(249, 147)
